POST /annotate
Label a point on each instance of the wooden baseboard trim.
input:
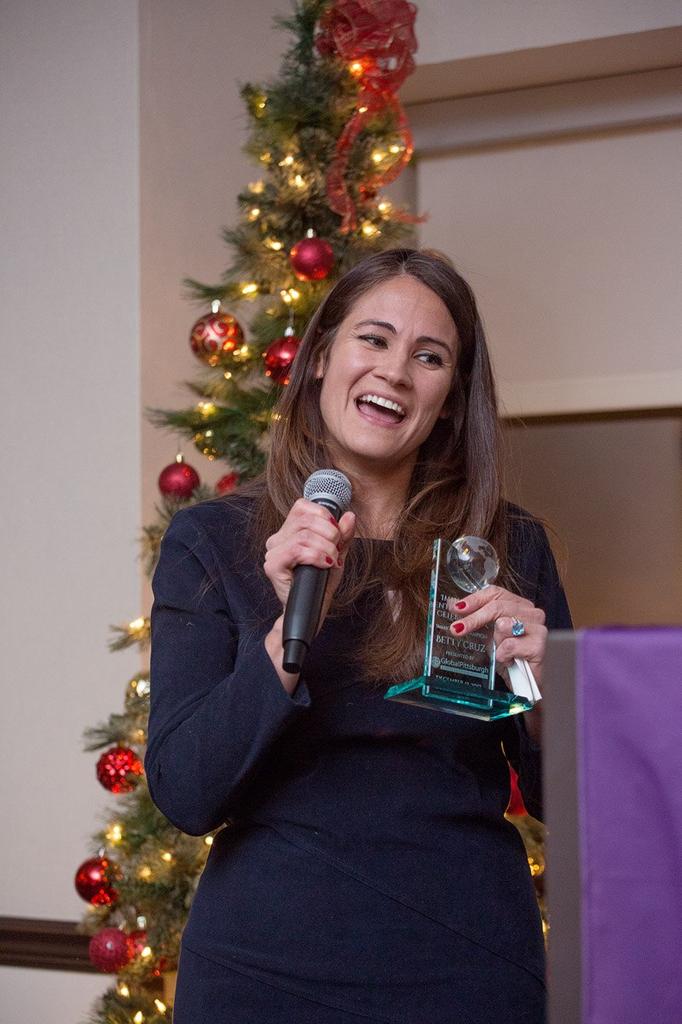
(43, 944)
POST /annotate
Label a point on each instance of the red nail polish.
(340, 563)
(333, 520)
(461, 604)
(328, 560)
(459, 627)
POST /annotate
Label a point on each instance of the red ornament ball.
(136, 941)
(279, 356)
(109, 951)
(178, 480)
(214, 336)
(227, 483)
(115, 767)
(93, 884)
(311, 259)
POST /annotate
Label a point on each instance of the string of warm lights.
(114, 834)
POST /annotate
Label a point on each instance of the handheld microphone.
(332, 489)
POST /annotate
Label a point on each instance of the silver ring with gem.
(518, 628)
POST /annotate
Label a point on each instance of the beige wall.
(572, 246)
(560, 205)
(469, 28)
(193, 56)
(70, 379)
(560, 200)
(71, 446)
(611, 492)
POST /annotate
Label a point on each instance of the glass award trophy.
(459, 672)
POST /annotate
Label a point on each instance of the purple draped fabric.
(630, 796)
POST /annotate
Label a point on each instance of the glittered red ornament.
(312, 259)
(93, 883)
(137, 941)
(227, 483)
(279, 356)
(109, 951)
(115, 767)
(179, 479)
(214, 336)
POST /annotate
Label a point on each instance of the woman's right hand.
(308, 536)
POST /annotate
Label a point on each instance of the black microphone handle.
(302, 613)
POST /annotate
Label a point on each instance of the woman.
(366, 872)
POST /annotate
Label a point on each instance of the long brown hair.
(455, 485)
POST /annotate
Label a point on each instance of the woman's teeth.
(382, 403)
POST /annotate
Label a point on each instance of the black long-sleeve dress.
(367, 871)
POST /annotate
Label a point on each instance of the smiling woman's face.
(387, 376)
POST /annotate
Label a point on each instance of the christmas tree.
(327, 135)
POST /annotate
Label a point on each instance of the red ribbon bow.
(376, 38)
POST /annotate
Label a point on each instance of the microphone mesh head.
(329, 483)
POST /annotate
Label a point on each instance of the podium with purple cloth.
(613, 793)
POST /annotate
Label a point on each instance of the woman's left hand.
(504, 609)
